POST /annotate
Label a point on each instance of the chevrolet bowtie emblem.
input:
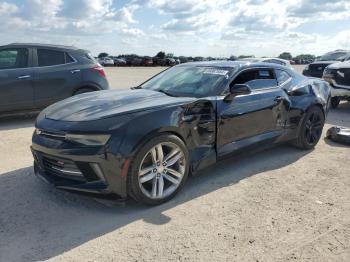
(341, 74)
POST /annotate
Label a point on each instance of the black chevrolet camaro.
(144, 141)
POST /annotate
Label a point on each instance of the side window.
(282, 76)
(90, 57)
(48, 57)
(256, 78)
(69, 59)
(14, 58)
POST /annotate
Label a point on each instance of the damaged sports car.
(143, 142)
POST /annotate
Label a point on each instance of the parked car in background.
(119, 61)
(273, 60)
(106, 61)
(338, 75)
(136, 61)
(159, 61)
(177, 60)
(170, 61)
(316, 68)
(147, 61)
(198, 59)
(33, 76)
(183, 59)
(143, 142)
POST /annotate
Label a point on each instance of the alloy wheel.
(313, 129)
(162, 170)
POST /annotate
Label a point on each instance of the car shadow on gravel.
(38, 222)
(339, 116)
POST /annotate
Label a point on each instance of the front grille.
(63, 168)
(329, 72)
(342, 77)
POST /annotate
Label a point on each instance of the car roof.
(234, 64)
(337, 51)
(51, 46)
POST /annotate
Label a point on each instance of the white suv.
(338, 75)
(106, 61)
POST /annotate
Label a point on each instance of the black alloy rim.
(313, 128)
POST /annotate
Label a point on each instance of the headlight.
(89, 140)
(306, 67)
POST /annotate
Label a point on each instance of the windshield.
(334, 56)
(190, 81)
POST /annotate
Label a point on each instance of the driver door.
(252, 119)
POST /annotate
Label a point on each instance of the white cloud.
(7, 8)
(189, 27)
(311, 8)
(134, 32)
(86, 9)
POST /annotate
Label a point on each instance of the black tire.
(335, 102)
(135, 189)
(83, 90)
(311, 129)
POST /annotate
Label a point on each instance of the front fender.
(194, 123)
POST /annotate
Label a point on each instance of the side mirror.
(301, 91)
(238, 89)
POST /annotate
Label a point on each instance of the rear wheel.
(311, 129)
(83, 90)
(159, 170)
(335, 102)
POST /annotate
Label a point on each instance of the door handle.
(24, 77)
(75, 71)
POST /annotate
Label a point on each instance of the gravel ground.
(278, 205)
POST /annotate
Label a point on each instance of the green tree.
(161, 55)
(305, 57)
(102, 55)
(232, 58)
(245, 56)
(286, 56)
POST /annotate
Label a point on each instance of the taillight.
(99, 70)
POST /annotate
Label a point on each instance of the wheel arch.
(317, 104)
(154, 133)
(86, 86)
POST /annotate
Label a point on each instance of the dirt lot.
(279, 205)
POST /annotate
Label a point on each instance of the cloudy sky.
(183, 27)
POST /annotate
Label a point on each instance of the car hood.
(323, 62)
(340, 65)
(103, 104)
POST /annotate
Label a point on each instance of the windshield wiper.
(165, 92)
(136, 87)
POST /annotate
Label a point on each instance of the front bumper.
(86, 170)
(340, 92)
(336, 89)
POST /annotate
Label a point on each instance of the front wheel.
(159, 170)
(311, 129)
(335, 102)
(83, 90)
